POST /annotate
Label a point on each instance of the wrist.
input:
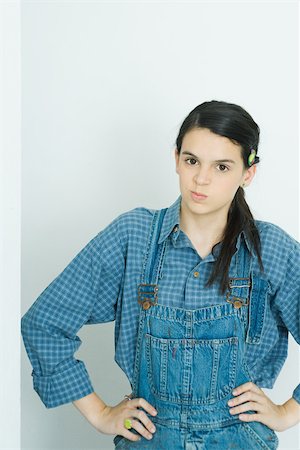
(292, 412)
(90, 407)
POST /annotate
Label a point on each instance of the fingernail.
(234, 392)
(154, 412)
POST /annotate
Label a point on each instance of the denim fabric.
(187, 362)
(100, 285)
(243, 436)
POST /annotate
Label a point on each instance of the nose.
(202, 176)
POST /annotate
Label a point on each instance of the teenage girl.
(203, 297)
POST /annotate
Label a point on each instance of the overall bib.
(187, 362)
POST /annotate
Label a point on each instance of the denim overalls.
(187, 362)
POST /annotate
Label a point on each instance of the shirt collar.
(172, 220)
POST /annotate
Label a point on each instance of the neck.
(208, 227)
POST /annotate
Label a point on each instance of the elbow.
(25, 324)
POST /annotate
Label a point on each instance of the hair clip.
(251, 158)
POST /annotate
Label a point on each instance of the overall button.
(146, 305)
(237, 304)
(196, 274)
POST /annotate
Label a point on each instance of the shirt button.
(196, 274)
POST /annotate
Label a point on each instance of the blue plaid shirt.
(100, 285)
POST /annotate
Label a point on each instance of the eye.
(223, 168)
(191, 159)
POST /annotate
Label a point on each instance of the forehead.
(202, 140)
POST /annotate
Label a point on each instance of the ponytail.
(239, 219)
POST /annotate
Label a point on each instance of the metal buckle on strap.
(237, 283)
(147, 298)
(237, 302)
(232, 280)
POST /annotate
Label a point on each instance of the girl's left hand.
(250, 397)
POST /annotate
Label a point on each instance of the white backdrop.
(105, 87)
(10, 224)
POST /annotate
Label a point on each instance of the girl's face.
(212, 165)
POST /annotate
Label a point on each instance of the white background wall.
(10, 223)
(105, 87)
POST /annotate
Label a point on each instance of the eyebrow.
(217, 160)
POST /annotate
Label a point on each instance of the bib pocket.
(191, 371)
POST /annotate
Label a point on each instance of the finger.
(249, 395)
(144, 419)
(131, 436)
(253, 406)
(141, 402)
(249, 386)
(140, 429)
(251, 418)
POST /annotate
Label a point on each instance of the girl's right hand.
(111, 419)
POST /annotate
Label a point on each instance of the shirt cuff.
(63, 387)
(296, 394)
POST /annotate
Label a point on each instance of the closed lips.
(200, 194)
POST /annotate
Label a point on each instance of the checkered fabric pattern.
(100, 285)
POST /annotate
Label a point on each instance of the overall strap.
(249, 289)
(152, 263)
(239, 286)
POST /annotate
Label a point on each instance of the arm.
(287, 302)
(85, 292)
(90, 406)
(283, 416)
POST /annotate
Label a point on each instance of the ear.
(249, 175)
(176, 154)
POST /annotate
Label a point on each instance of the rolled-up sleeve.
(288, 299)
(85, 292)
